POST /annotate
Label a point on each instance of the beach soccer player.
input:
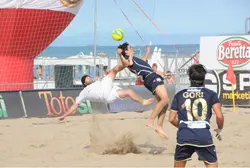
(194, 107)
(152, 81)
(104, 90)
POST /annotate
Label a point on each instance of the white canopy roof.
(73, 60)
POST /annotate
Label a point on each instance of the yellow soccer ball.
(117, 34)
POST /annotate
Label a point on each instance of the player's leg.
(108, 81)
(180, 164)
(208, 156)
(113, 72)
(182, 155)
(161, 118)
(162, 94)
(123, 93)
(209, 165)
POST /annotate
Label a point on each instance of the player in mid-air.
(104, 90)
(194, 106)
(152, 81)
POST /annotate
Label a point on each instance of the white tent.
(156, 58)
(73, 60)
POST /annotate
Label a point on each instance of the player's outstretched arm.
(173, 118)
(145, 57)
(71, 110)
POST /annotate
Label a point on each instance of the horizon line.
(118, 44)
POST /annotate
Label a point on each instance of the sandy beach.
(106, 140)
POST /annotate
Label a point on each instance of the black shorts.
(152, 81)
(207, 154)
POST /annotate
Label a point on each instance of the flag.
(231, 78)
(196, 61)
(230, 74)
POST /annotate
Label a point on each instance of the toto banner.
(216, 81)
(46, 103)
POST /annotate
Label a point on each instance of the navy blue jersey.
(194, 109)
(140, 67)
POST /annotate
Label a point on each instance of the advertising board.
(216, 81)
(216, 52)
(47, 103)
(10, 105)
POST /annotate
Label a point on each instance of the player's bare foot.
(161, 133)
(147, 101)
(151, 124)
(60, 118)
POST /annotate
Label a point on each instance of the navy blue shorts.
(152, 81)
(207, 154)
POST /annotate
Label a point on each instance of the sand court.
(112, 140)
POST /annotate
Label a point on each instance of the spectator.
(40, 72)
(169, 78)
(155, 67)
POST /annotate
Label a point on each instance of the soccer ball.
(117, 34)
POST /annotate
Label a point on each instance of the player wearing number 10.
(194, 109)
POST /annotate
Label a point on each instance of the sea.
(65, 51)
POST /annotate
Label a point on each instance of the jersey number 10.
(192, 109)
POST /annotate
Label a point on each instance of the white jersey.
(103, 90)
(91, 92)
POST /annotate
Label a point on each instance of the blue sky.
(182, 21)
